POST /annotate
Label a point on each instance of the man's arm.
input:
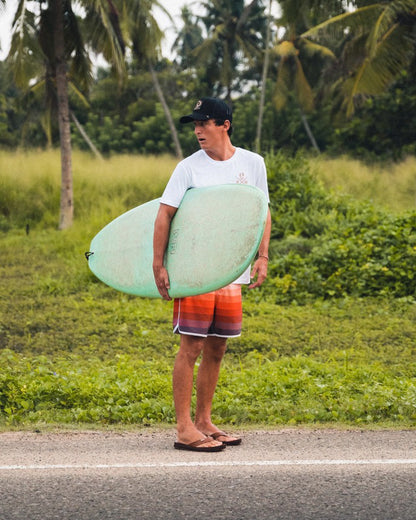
(260, 265)
(160, 243)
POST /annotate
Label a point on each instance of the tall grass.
(30, 185)
(31, 180)
(392, 186)
(27, 166)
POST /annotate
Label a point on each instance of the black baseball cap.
(209, 108)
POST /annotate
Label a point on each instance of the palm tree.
(291, 78)
(264, 79)
(235, 32)
(295, 53)
(145, 37)
(49, 39)
(188, 38)
(379, 42)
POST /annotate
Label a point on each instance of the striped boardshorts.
(218, 313)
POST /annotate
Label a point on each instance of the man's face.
(209, 135)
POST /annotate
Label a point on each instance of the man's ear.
(227, 125)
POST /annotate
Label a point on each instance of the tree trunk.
(228, 99)
(168, 115)
(264, 80)
(309, 131)
(86, 137)
(67, 202)
(244, 15)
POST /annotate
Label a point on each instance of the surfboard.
(214, 237)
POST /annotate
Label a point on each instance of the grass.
(392, 186)
(30, 166)
(30, 186)
(75, 352)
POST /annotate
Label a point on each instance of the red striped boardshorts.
(218, 313)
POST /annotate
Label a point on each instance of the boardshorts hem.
(218, 313)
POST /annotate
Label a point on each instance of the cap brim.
(193, 117)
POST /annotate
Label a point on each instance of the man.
(217, 162)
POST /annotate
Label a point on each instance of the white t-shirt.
(199, 170)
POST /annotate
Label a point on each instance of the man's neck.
(222, 153)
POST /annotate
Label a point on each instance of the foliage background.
(329, 338)
(126, 116)
(75, 351)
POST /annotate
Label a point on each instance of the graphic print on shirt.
(241, 178)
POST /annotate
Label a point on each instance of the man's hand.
(162, 281)
(260, 265)
(160, 242)
(259, 270)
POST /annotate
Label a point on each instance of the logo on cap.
(198, 105)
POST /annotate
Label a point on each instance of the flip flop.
(198, 445)
(216, 436)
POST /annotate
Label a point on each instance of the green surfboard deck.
(214, 236)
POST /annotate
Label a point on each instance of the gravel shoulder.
(156, 447)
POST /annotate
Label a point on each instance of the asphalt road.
(285, 474)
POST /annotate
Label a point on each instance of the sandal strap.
(199, 442)
(215, 435)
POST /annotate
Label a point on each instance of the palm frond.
(353, 54)
(286, 49)
(390, 56)
(391, 15)
(24, 55)
(208, 47)
(142, 29)
(352, 21)
(303, 90)
(248, 49)
(80, 65)
(379, 42)
(311, 49)
(245, 14)
(78, 94)
(235, 28)
(283, 85)
(105, 35)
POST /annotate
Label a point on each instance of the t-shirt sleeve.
(262, 179)
(176, 187)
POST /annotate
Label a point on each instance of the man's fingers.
(162, 282)
(257, 283)
(164, 292)
(163, 288)
(259, 270)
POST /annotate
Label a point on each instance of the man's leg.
(183, 374)
(226, 323)
(209, 368)
(212, 355)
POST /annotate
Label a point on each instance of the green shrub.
(299, 203)
(325, 245)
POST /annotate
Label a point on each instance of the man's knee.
(215, 348)
(191, 346)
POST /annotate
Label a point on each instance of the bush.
(299, 203)
(325, 245)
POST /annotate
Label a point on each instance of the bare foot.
(193, 435)
(214, 432)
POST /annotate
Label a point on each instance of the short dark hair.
(220, 122)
